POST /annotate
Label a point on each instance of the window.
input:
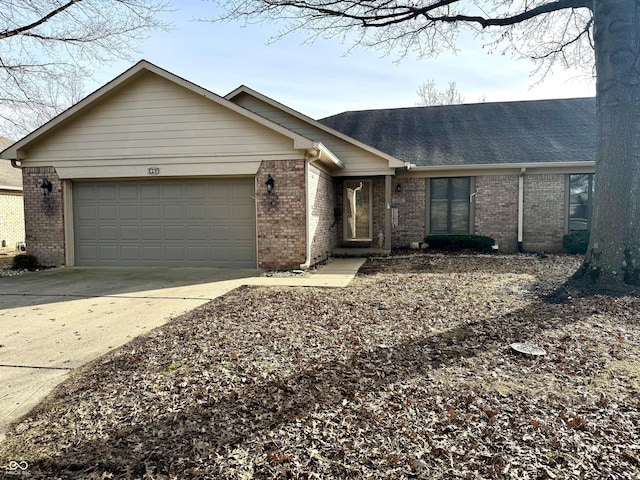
(450, 206)
(580, 188)
(357, 221)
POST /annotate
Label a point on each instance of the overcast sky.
(324, 78)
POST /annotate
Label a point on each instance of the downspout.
(521, 216)
(307, 194)
(16, 163)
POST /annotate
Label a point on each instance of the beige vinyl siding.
(357, 160)
(155, 118)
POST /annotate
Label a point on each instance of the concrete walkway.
(56, 320)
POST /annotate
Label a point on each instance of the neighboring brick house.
(11, 207)
(154, 170)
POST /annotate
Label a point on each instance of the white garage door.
(176, 223)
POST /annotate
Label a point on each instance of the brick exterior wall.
(281, 216)
(496, 210)
(11, 221)
(544, 212)
(322, 192)
(44, 216)
(411, 203)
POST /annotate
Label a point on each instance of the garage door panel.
(152, 253)
(150, 191)
(243, 254)
(151, 212)
(127, 192)
(174, 233)
(221, 233)
(109, 252)
(242, 192)
(197, 233)
(220, 212)
(173, 212)
(89, 232)
(220, 192)
(165, 222)
(108, 232)
(243, 212)
(173, 191)
(197, 254)
(88, 253)
(197, 192)
(241, 233)
(222, 252)
(84, 192)
(129, 253)
(175, 254)
(197, 212)
(129, 232)
(128, 212)
(107, 192)
(152, 233)
(107, 212)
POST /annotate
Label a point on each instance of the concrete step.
(359, 252)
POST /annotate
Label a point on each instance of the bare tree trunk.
(614, 250)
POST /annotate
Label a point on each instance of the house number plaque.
(153, 171)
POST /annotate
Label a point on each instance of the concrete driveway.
(56, 320)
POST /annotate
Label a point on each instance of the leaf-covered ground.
(407, 373)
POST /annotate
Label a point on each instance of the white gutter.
(10, 188)
(504, 166)
(520, 206)
(327, 156)
(313, 158)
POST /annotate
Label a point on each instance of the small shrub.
(460, 242)
(576, 242)
(24, 261)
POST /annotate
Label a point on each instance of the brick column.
(281, 216)
(44, 216)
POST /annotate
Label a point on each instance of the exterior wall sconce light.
(46, 186)
(398, 188)
(269, 183)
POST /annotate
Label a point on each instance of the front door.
(358, 219)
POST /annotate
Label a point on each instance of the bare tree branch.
(23, 30)
(429, 27)
(48, 47)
